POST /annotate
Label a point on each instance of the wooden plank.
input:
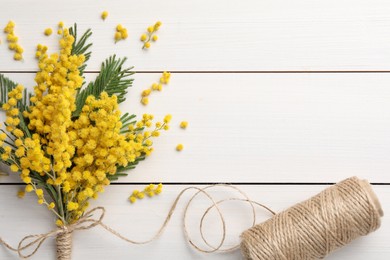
(224, 35)
(140, 221)
(265, 127)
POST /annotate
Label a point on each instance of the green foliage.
(112, 79)
(23, 125)
(81, 47)
(126, 120)
(122, 170)
(7, 85)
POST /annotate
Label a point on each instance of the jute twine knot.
(309, 230)
(63, 236)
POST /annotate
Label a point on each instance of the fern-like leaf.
(7, 85)
(112, 79)
(123, 170)
(81, 47)
(126, 120)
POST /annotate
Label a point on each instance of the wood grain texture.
(243, 127)
(266, 127)
(221, 35)
(140, 221)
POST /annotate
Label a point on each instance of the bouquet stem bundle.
(67, 139)
(64, 245)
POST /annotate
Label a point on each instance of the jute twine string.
(309, 230)
(63, 234)
(314, 228)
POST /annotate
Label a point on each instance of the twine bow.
(88, 221)
(84, 223)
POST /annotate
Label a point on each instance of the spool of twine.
(309, 230)
(64, 245)
(315, 227)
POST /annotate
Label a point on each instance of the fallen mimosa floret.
(150, 36)
(12, 40)
(104, 15)
(179, 147)
(164, 80)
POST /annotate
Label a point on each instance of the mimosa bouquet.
(68, 140)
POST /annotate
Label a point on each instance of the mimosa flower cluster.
(121, 33)
(68, 143)
(151, 190)
(12, 40)
(164, 80)
(150, 35)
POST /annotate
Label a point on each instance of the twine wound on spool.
(309, 230)
(315, 227)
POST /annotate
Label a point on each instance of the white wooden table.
(282, 96)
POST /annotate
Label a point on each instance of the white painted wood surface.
(141, 220)
(218, 35)
(265, 127)
(243, 127)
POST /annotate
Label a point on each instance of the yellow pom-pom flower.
(21, 193)
(132, 199)
(147, 45)
(143, 37)
(157, 25)
(140, 195)
(72, 206)
(14, 168)
(104, 15)
(179, 147)
(165, 78)
(3, 136)
(183, 124)
(29, 188)
(39, 192)
(51, 205)
(146, 92)
(48, 31)
(18, 56)
(145, 101)
(167, 118)
(117, 36)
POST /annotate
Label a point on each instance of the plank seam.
(228, 72)
(213, 183)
